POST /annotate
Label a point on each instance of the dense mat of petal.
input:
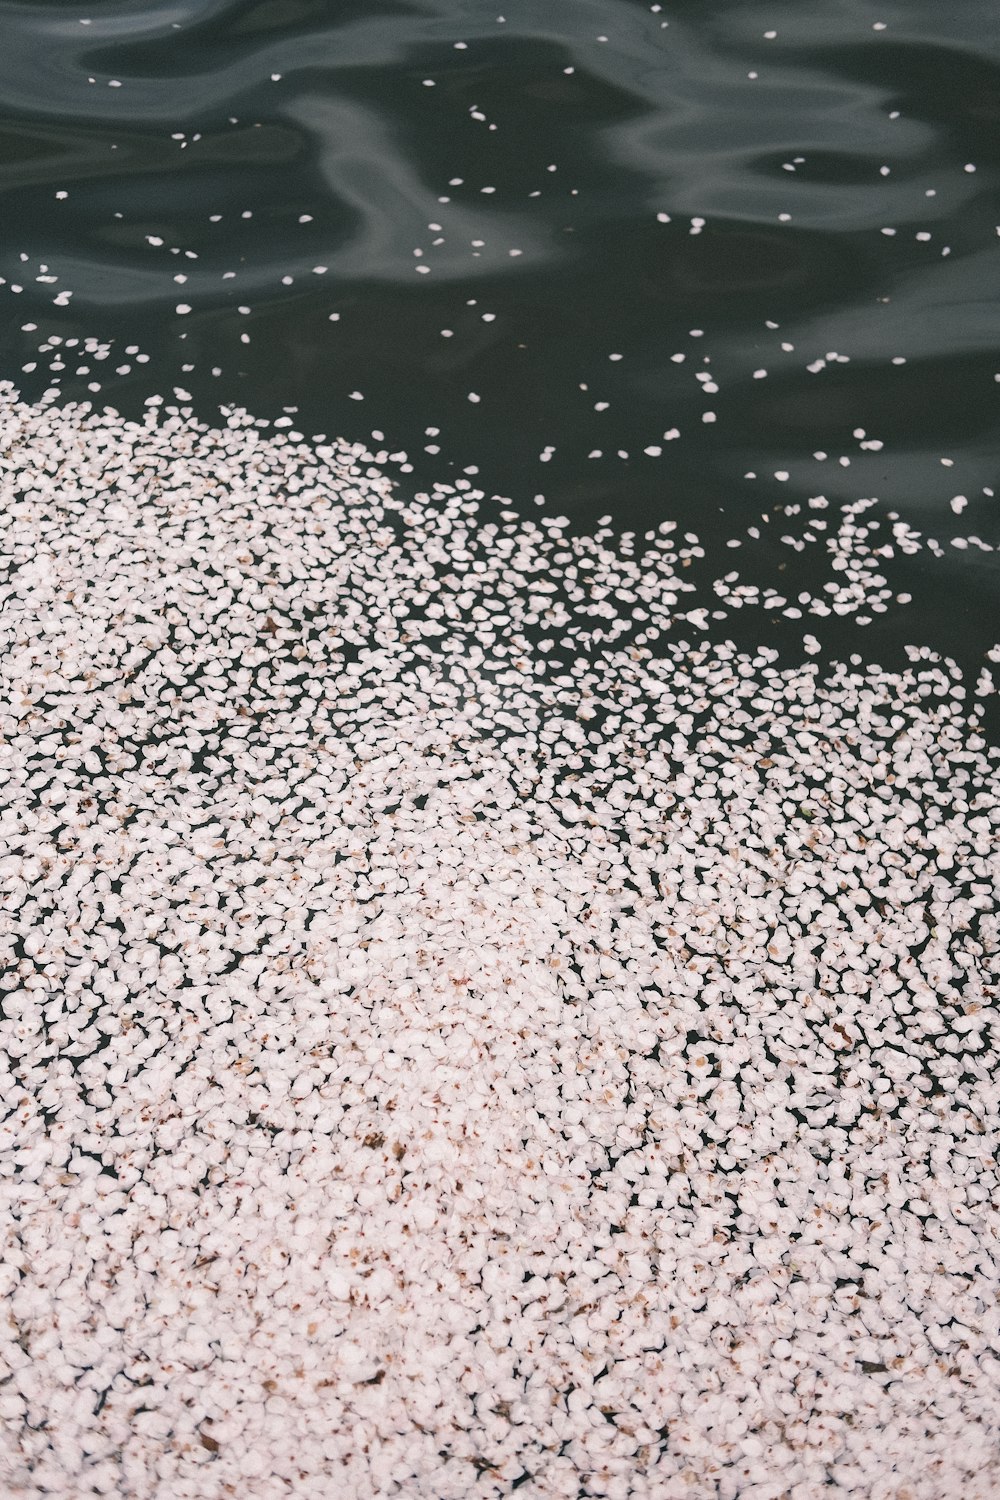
(450, 1066)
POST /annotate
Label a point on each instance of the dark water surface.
(731, 168)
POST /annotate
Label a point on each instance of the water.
(780, 141)
(498, 929)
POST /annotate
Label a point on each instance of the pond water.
(499, 829)
(767, 229)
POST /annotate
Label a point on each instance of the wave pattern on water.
(657, 171)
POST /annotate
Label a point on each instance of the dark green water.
(232, 123)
